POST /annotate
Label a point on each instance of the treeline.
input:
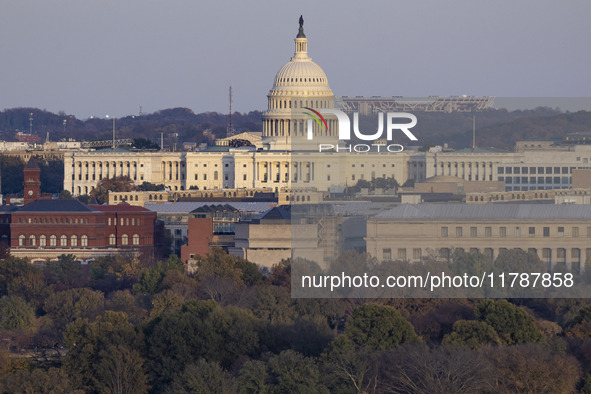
(177, 125)
(52, 174)
(494, 127)
(123, 324)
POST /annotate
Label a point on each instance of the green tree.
(64, 273)
(378, 327)
(16, 314)
(143, 143)
(204, 377)
(473, 334)
(65, 195)
(291, 372)
(66, 306)
(512, 323)
(150, 279)
(87, 340)
(252, 378)
(151, 187)
(19, 277)
(52, 381)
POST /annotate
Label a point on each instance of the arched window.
(124, 239)
(32, 240)
(73, 240)
(21, 240)
(84, 241)
(136, 239)
(63, 240)
(42, 241)
(52, 240)
(215, 175)
(138, 221)
(112, 239)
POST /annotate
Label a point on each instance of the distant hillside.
(498, 128)
(177, 125)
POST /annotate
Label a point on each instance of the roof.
(121, 207)
(215, 208)
(64, 206)
(8, 208)
(276, 213)
(32, 164)
(487, 211)
(189, 206)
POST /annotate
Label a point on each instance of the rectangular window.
(589, 232)
(503, 232)
(575, 232)
(488, 232)
(509, 170)
(524, 170)
(546, 231)
(532, 231)
(532, 170)
(196, 177)
(387, 254)
(561, 231)
(459, 232)
(518, 231)
(401, 254)
(444, 232)
(204, 177)
(501, 170)
(416, 253)
(516, 170)
(548, 170)
(473, 232)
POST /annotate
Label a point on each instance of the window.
(42, 241)
(204, 177)
(112, 239)
(488, 232)
(416, 253)
(109, 221)
(136, 239)
(121, 221)
(401, 254)
(458, 232)
(52, 240)
(588, 231)
(84, 241)
(575, 232)
(138, 221)
(561, 231)
(21, 240)
(32, 241)
(387, 254)
(133, 221)
(546, 231)
(124, 239)
(63, 240)
(473, 232)
(73, 240)
(444, 232)
(503, 232)
(518, 231)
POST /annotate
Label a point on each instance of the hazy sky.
(93, 58)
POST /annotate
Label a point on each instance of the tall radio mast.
(230, 128)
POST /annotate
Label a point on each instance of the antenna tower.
(230, 128)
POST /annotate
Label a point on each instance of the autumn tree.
(115, 184)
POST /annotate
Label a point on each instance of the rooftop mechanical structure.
(375, 104)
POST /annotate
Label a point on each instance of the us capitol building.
(283, 159)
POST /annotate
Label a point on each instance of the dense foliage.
(126, 325)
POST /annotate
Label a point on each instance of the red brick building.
(45, 229)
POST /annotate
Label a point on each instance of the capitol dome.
(301, 76)
(299, 85)
(301, 73)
